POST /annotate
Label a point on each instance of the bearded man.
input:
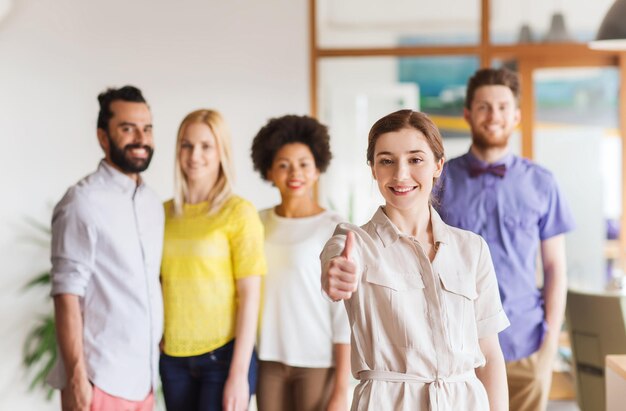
(107, 235)
(517, 207)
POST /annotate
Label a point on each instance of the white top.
(107, 237)
(298, 325)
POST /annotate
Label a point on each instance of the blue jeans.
(196, 383)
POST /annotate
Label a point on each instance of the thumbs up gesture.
(339, 278)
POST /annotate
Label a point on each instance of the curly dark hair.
(286, 130)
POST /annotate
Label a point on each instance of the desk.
(597, 326)
(615, 382)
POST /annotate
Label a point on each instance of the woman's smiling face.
(404, 166)
(294, 171)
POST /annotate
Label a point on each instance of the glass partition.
(574, 128)
(396, 23)
(355, 92)
(576, 137)
(528, 21)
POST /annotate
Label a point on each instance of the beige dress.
(415, 325)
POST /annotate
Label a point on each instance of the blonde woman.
(211, 272)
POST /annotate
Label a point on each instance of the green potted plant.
(40, 347)
(39, 351)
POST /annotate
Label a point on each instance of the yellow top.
(203, 256)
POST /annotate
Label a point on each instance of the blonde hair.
(222, 189)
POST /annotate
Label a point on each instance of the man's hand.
(78, 392)
(77, 395)
(339, 279)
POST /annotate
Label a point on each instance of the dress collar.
(389, 233)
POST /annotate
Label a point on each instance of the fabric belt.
(435, 385)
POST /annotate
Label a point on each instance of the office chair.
(597, 327)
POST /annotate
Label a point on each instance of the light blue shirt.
(107, 239)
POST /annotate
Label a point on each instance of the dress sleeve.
(490, 317)
(73, 247)
(246, 242)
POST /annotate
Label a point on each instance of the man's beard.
(121, 157)
(484, 142)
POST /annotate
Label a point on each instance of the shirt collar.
(472, 160)
(389, 233)
(119, 179)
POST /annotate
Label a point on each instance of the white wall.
(247, 58)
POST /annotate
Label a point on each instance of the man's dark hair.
(492, 77)
(286, 130)
(126, 93)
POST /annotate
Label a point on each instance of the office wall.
(247, 58)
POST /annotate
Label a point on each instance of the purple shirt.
(513, 214)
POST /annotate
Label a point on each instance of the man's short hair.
(126, 93)
(491, 77)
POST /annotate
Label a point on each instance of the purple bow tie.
(497, 170)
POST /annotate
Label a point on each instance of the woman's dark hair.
(287, 130)
(126, 93)
(402, 119)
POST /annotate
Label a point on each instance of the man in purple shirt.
(517, 207)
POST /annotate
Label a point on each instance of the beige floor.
(562, 406)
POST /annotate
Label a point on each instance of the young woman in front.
(421, 296)
(211, 272)
(303, 344)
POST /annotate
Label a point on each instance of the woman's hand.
(338, 402)
(339, 398)
(237, 388)
(339, 279)
(493, 374)
(236, 393)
